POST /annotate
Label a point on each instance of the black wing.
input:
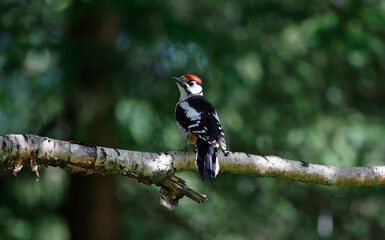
(197, 115)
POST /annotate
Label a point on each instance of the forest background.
(298, 79)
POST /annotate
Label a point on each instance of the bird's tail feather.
(206, 160)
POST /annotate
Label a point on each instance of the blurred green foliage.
(299, 79)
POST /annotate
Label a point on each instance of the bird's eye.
(191, 83)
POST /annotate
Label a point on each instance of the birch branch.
(17, 150)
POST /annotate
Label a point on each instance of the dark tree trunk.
(88, 58)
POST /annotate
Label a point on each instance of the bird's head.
(189, 84)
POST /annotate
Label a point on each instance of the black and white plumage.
(199, 123)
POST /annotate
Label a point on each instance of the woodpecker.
(199, 123)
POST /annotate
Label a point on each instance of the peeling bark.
(159, 168)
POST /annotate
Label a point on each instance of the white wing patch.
(216, 116)
(194, 125)
(191, 113)
(199, 131)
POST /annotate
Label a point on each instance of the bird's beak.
(178, 80)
